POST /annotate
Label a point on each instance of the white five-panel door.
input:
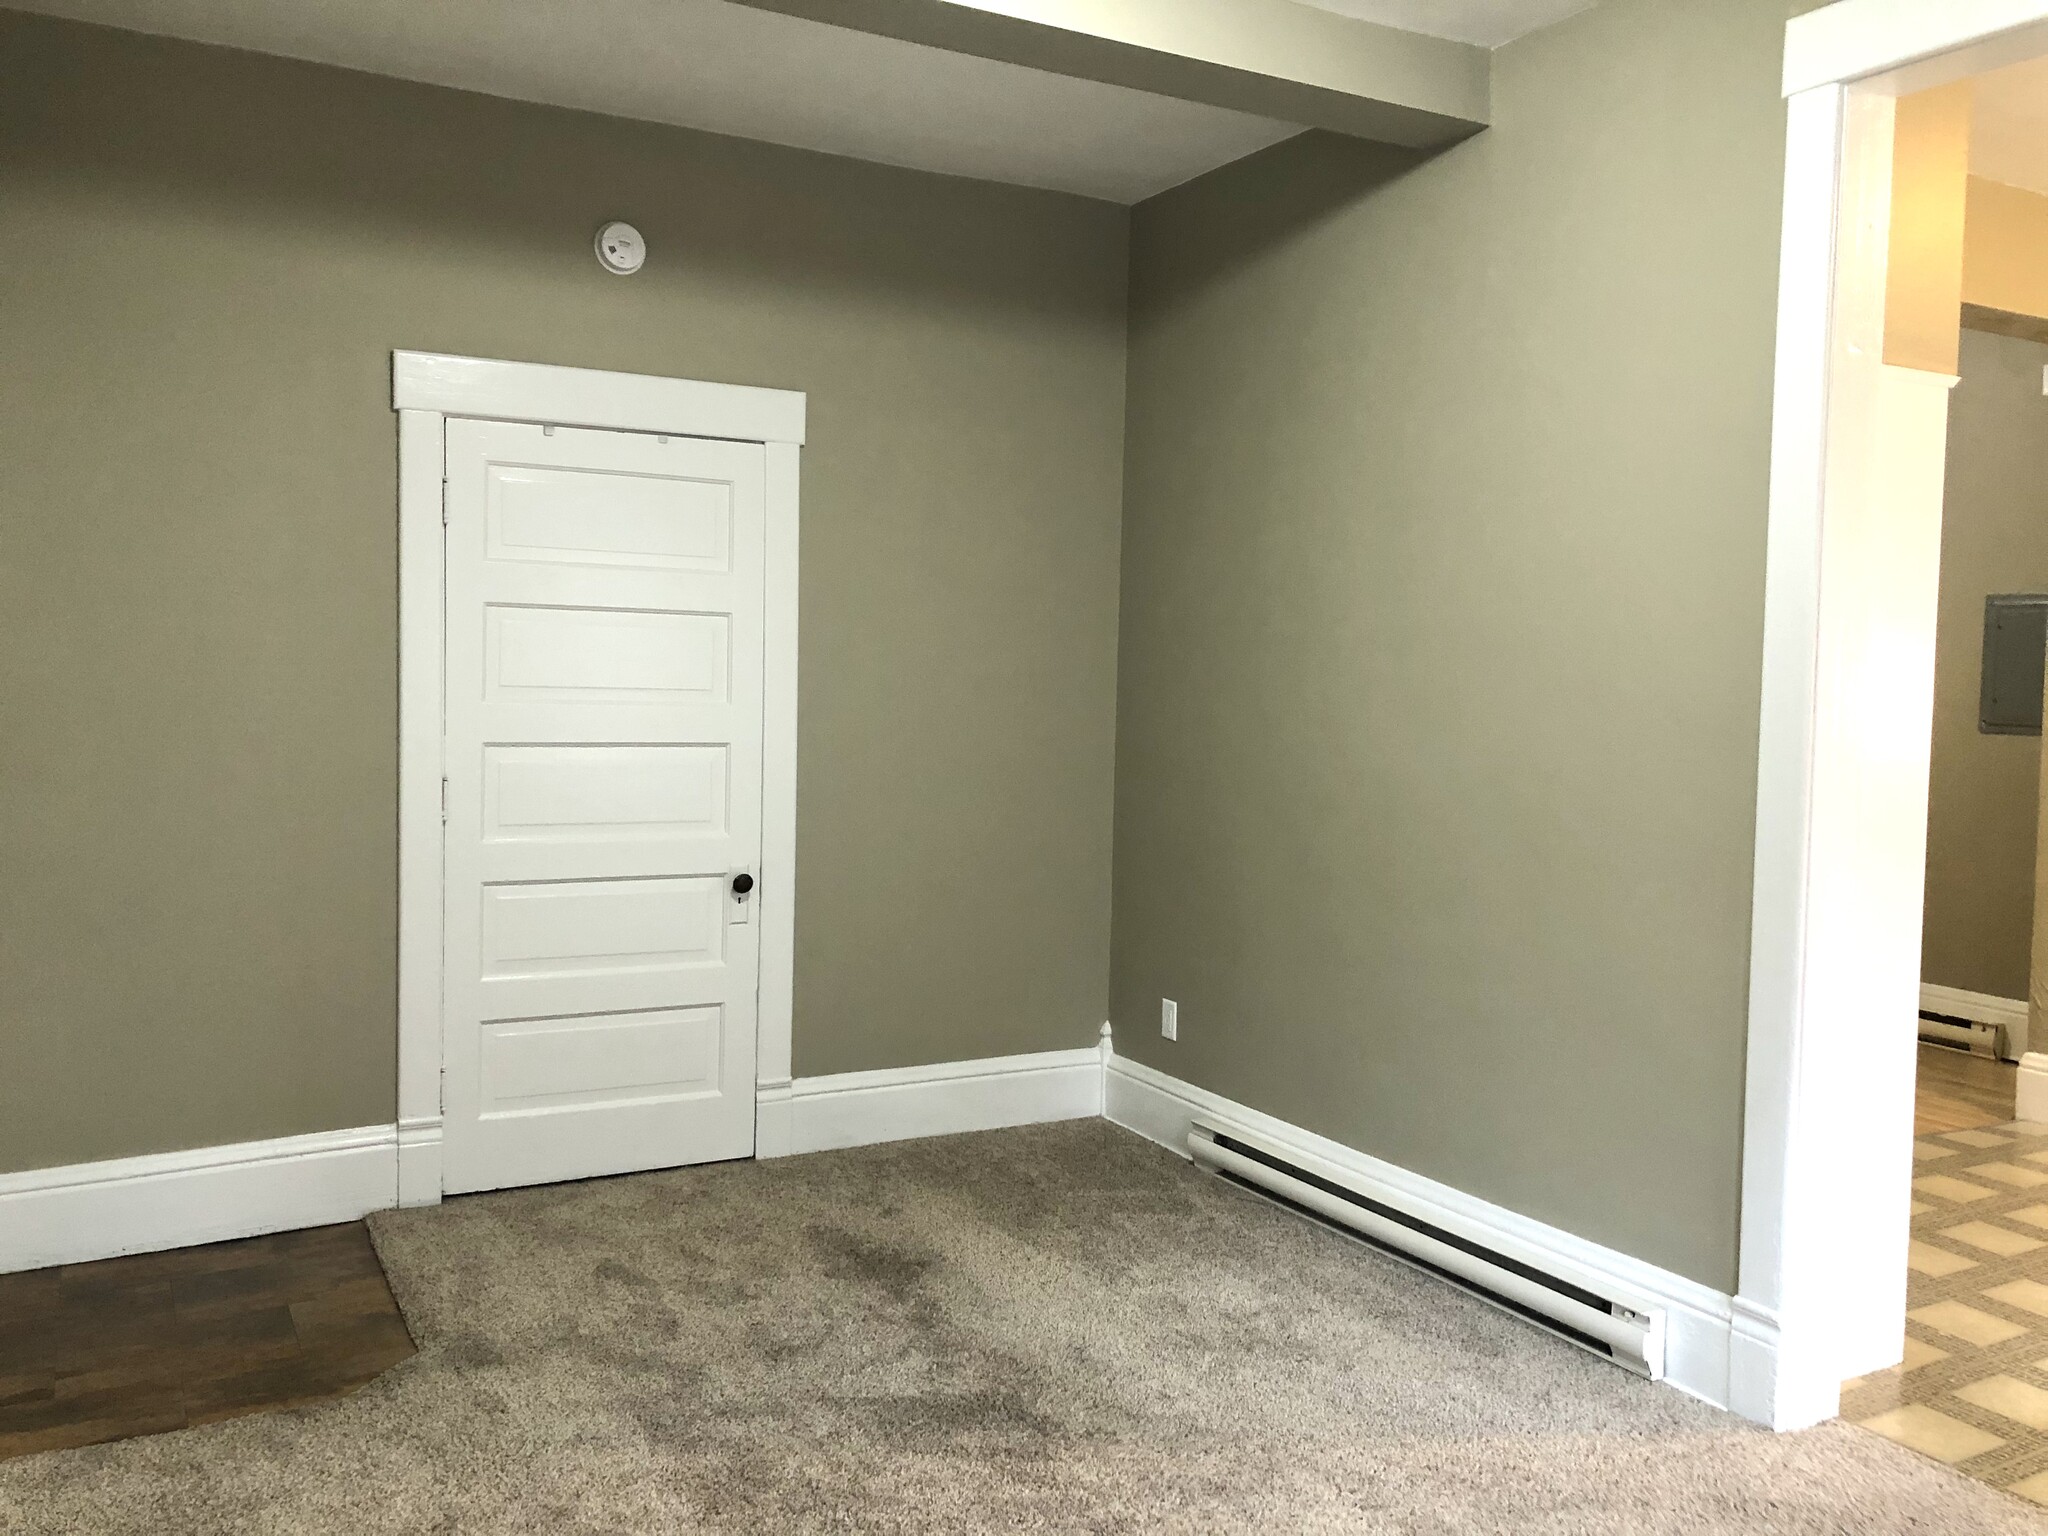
(603, 753)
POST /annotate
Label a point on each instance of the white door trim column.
(427, 388)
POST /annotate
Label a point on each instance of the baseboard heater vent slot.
(1973, 1035)
(1617, 1328)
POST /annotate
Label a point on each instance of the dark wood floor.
(135, 1346)
(1957, 1091)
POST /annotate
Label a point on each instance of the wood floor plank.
(286, 1384)
(154, 1342)
(344, 1310)
(28, 1387)
(28, 1298)
(1959, 1091)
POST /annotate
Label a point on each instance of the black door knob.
(741, 884)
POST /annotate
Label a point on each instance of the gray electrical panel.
(2015, 645)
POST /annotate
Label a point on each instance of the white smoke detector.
(620, 249)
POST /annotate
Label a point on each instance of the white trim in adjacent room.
(591, 397)
(1983, 1007)
(1855, 459)
(2031, 1097)
(178, 1199)
(426, 389)
(855, 1109)
(1697, 1318)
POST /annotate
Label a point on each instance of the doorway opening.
(1900, 220)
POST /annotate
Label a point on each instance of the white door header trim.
(591, 397)
(1856, 39)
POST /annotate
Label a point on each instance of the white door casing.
(603, 760)
(602, 663)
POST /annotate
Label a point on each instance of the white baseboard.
(92, 1211)
(2031, 1102)
(209, 1195)
(857, 1109)
(1766, 1384)
(1698, 1319)
(2007, 1014)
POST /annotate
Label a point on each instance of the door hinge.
(444, 800)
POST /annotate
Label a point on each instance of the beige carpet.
(1054, 1329)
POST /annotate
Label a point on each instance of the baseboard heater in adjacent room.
(1973, 1035)
(1608, 1326)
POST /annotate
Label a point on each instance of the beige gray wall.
(205, 261)
(1983, 791)
(1442, 595)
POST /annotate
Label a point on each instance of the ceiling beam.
(1272, 58)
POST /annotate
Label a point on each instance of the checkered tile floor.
(1973, 1390)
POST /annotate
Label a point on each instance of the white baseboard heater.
(1612, 1327)
(1973, 1035)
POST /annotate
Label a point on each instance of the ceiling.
(2009, 126)
(735, 69)
(757, 74)
(738, 70)
(1489, 23)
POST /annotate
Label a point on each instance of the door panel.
(601, 656)
(602, 793)
(604, 642)
(594, 518)
(552, 1062)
